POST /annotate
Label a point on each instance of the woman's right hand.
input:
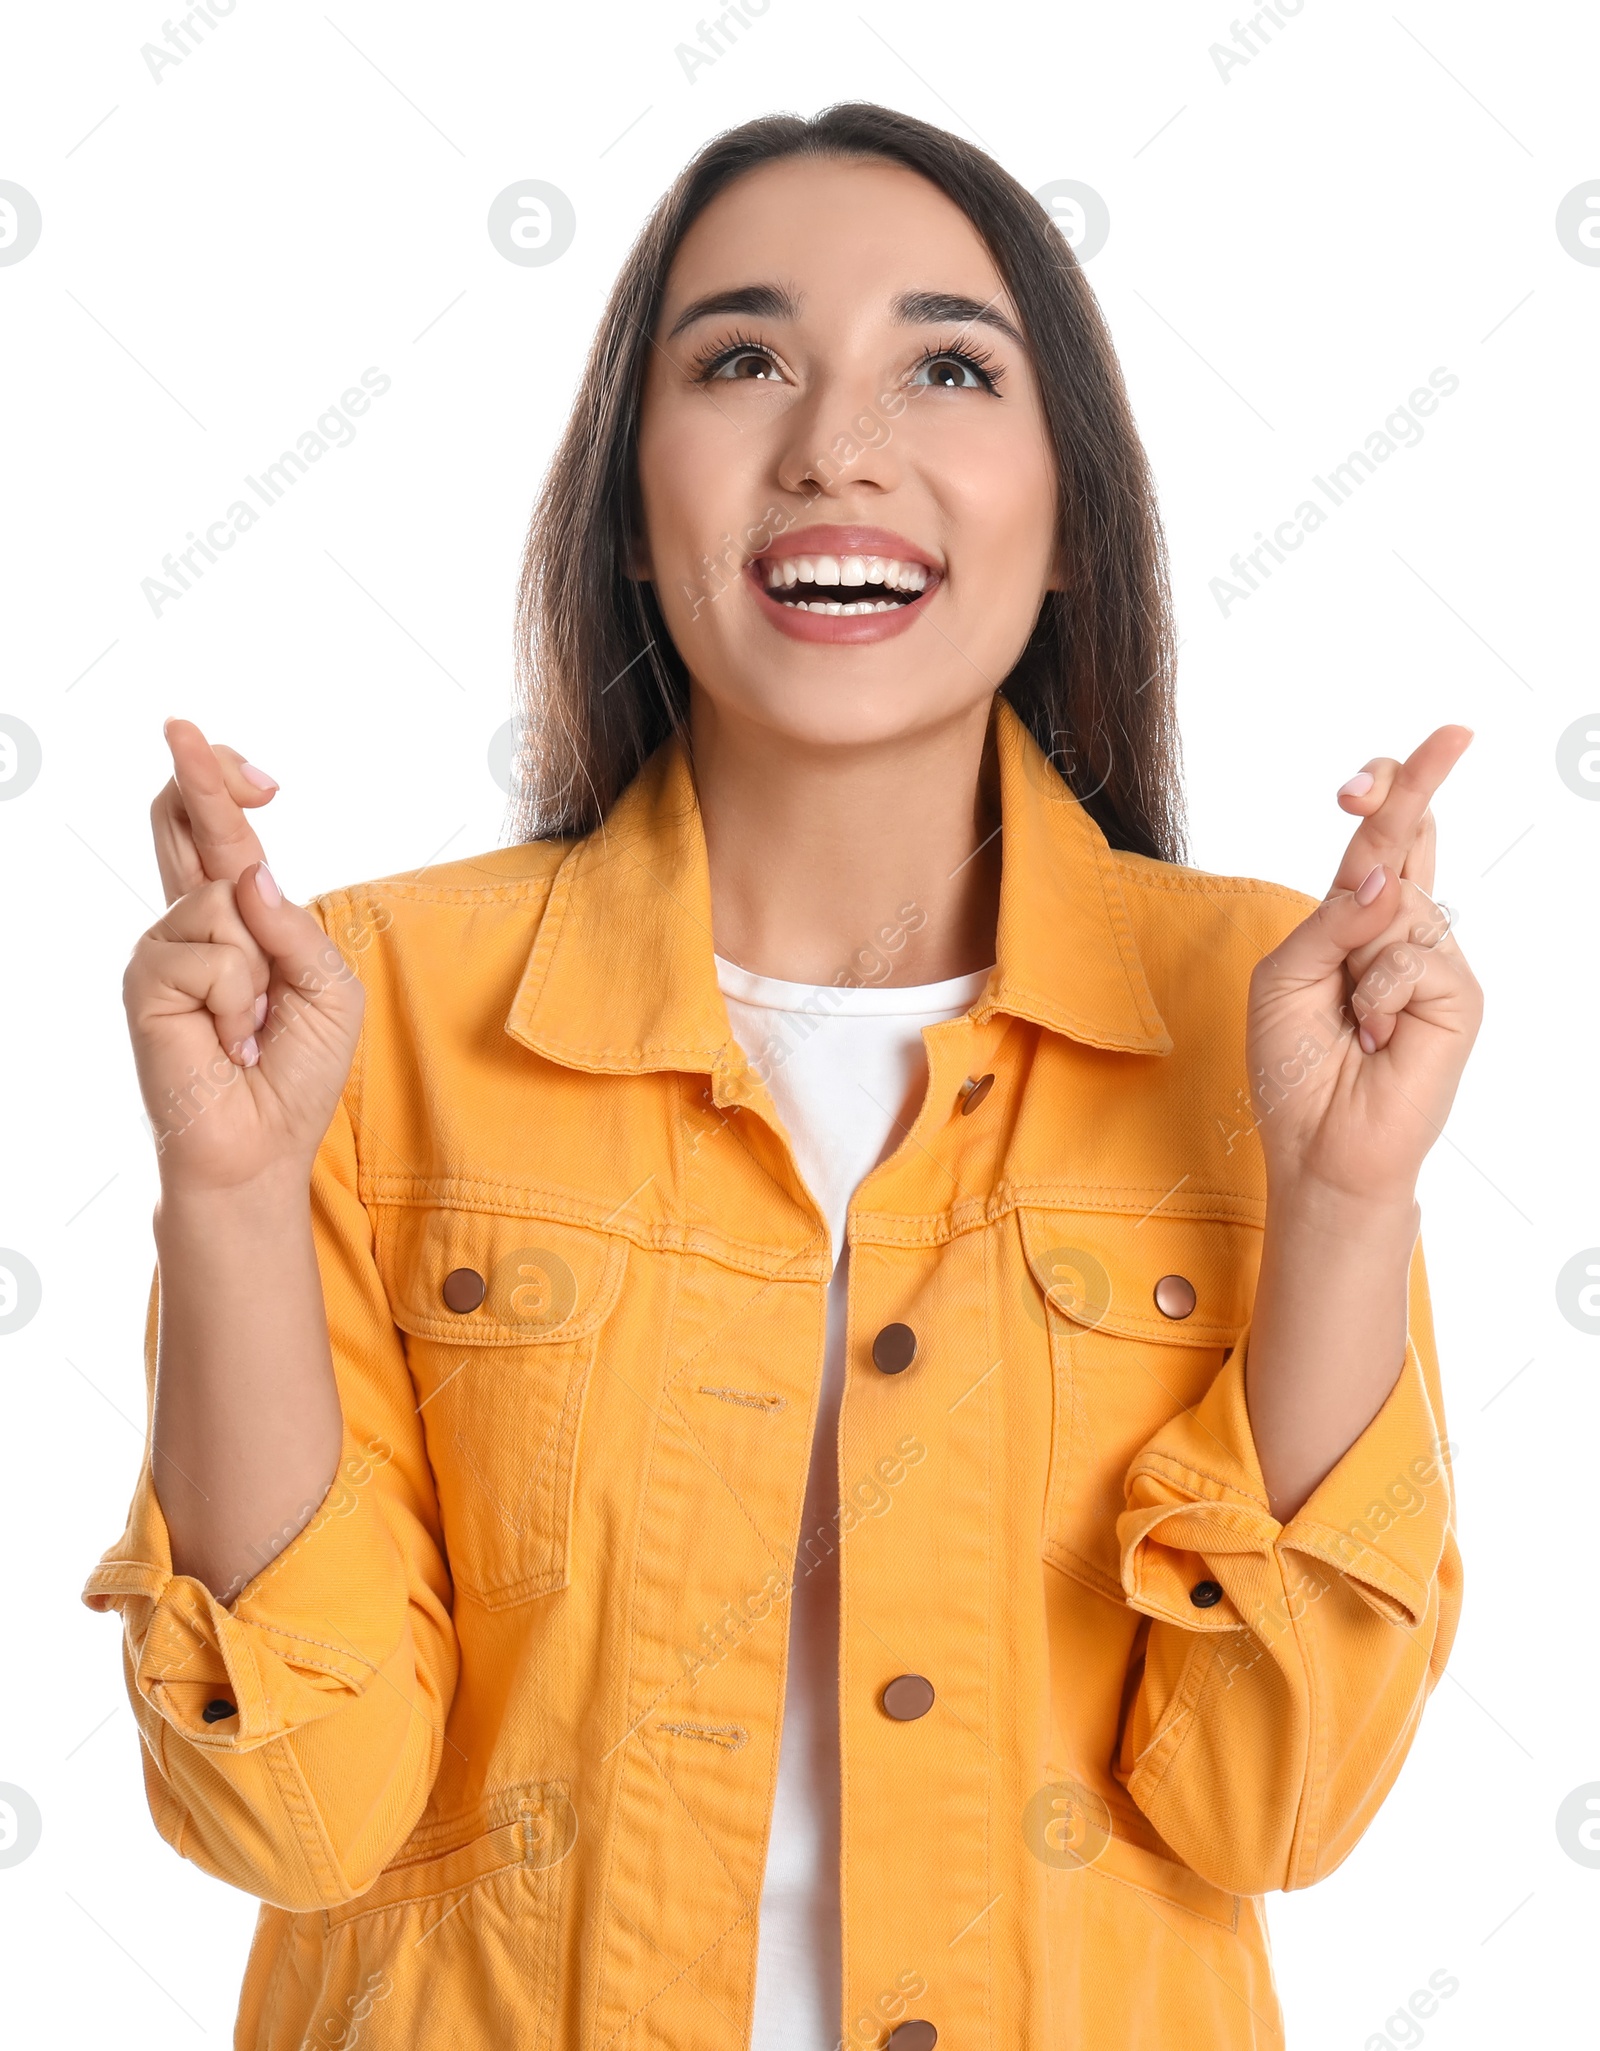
(243, 1013)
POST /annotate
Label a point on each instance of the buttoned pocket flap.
(1175, 1279)
(503, 1318)
(1141, 1313)
(541, 1283)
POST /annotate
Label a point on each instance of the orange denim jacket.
(495, 1735)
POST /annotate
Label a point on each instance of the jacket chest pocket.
(503, 1320)
(1141, 1314)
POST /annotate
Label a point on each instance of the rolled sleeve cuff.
(306, 1635)
(1197, 1510)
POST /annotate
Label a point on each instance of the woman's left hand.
(1361, 1019)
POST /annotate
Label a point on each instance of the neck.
(881, 861)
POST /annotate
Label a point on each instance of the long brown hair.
(599, 680)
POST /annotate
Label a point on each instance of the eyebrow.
(913, 309)
(927, 309)
(765, 302)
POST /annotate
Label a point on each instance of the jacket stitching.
(306, 1819)
(515, 890)
(746, 1512)
(1148, 872)
(1066, 1560)
(1140, 995)
(383, 1190)
(1192, 1683)
(607, 1912)
(733, 1737)
(1385, 1572)
(1184, 1908)
(547, 940)
(1166, 1466)
(1304, 1837)
(300, 1638)
(991, 1351)
(767, 1282)
(1145, 873)
(695, 1822)
(387, 1190)
(633, 2015)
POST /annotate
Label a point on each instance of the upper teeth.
(850, 569)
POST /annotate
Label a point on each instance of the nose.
(839, 438)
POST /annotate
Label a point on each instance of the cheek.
(698, 484)
(998, 497)
(695, 512)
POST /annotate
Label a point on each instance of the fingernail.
(1368, 1042)
(271, 895)
(1358, 786)
(249, 1052)
(258, 777)
(1370, 885)
(261, 1010)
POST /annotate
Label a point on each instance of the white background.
(1292, 251)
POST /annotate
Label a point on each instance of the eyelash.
(717, 354)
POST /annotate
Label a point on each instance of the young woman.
(802, 1409)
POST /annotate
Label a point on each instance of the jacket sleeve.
(1266, 1724)
(339, 1656)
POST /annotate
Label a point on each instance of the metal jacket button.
(907, 1697)
(1175, 1296)
(214, 1712)
(1206, 1594)
(463, 1289)
(894, 1349)
(973, 1092)
(915, 2035)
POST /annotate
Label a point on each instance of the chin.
(800, 703)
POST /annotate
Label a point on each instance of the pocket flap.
(537, 1282)
(1180, 1281)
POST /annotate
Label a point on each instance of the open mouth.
(843, 586)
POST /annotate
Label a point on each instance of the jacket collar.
(621, 980)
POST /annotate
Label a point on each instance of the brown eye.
(746, 365)
(958, 370)
(953, 373)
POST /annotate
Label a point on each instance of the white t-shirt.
(846, 1069)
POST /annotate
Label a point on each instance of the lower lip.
(845, 628)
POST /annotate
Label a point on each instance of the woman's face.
(848, 493)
